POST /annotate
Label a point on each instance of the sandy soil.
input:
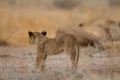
(17, 63)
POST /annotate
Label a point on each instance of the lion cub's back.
(68, 39)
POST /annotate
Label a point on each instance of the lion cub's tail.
(77, 54)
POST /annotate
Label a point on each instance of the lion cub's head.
(35, 37)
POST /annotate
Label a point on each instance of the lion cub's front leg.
(40, 61)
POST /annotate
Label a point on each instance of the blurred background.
(17, 17)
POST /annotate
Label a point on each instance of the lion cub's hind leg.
(71, 51)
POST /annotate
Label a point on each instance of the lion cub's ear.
(30, 33)
(81, 25)
(44, 33)
(119, 23)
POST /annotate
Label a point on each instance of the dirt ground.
(17, 63)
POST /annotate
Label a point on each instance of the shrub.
(65, 4)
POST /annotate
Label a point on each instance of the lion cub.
(51, 46)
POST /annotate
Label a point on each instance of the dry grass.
(16, 21)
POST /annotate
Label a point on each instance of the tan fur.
(100, 28)
(79, 34)
(51, 46)
(104, 29)
(93, 35)
(86, 35)
(111, 28)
